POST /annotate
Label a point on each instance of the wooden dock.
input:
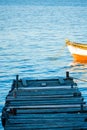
(47, 104)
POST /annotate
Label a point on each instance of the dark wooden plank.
(47, 88)
(46, 102)
(53, 110)
(49, 116)
(26, 97)
(26, 128)
(45, 91)
(46, 125)
(42, 98)
(49, 108)
(48, 82)
(23, 128)
(47, 121)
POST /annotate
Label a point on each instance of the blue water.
(32, 40)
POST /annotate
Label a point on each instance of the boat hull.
(78, 51)
(79, 58)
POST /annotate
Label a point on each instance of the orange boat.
(78, 51)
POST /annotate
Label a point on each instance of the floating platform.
(44, 104)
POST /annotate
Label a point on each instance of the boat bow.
(78, 51)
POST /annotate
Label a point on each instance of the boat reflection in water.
(79, 72)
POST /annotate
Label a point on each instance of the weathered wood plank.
(50, 125)
(48, 82)
(62, 110)
(47, 106)
(48, 88)
(49, 121)
(22, 128)
(20, 97)
(49, 109)
(46, 102)
(49, 116)
(45, 91)
(50, 128)
(42, 98)
(12, 128)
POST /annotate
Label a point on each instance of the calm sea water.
(32, 40)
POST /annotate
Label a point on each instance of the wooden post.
(71, 85)
(81, 107)
(17, 76)
(13, 111)
(67, 74)
(14, 94)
